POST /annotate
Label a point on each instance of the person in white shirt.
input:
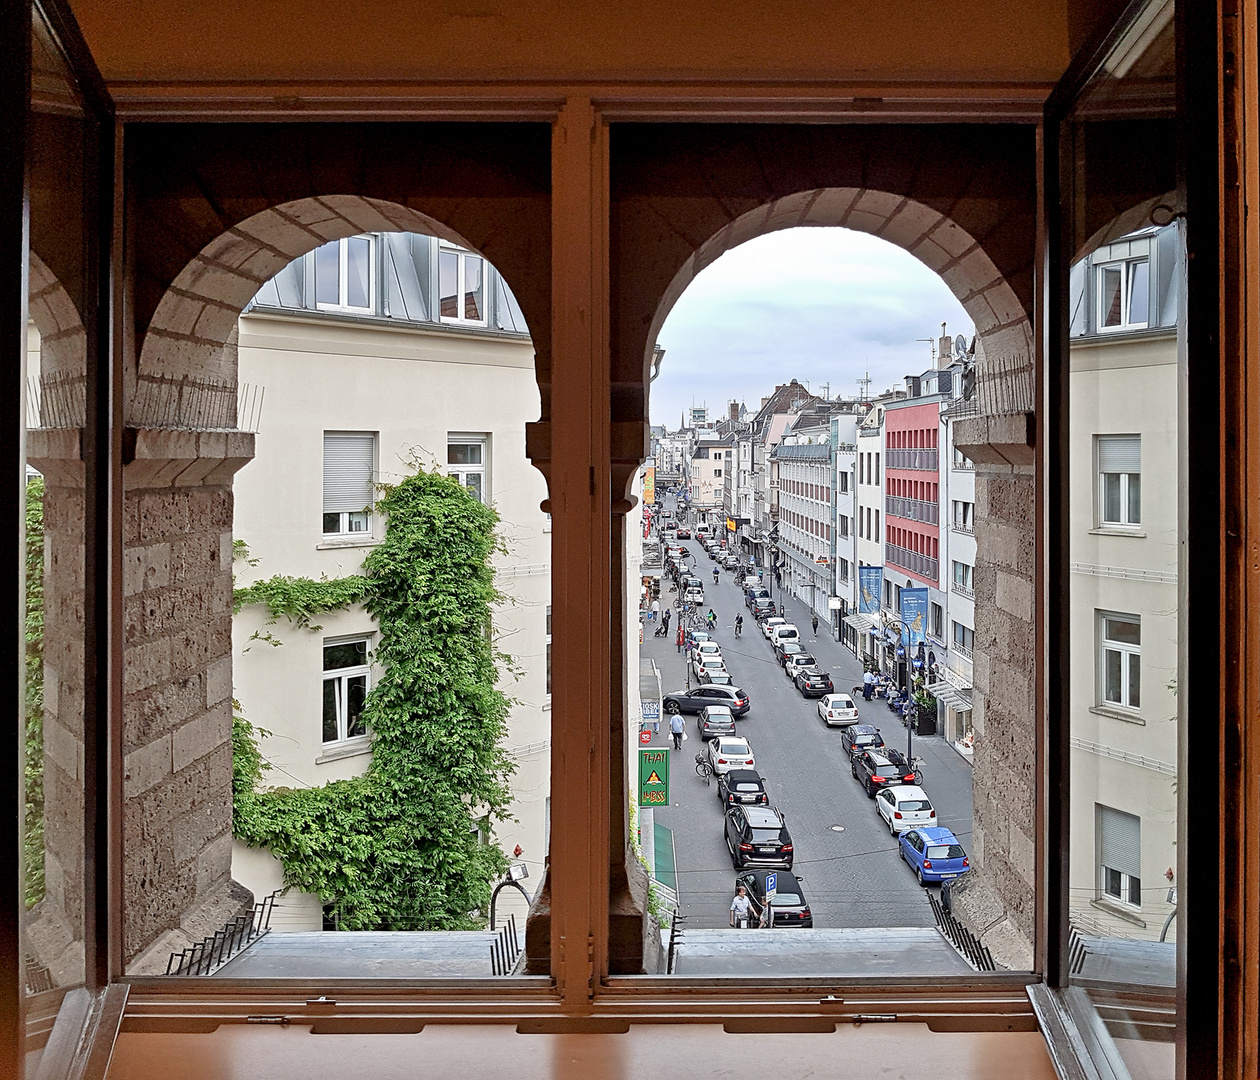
(741, 909)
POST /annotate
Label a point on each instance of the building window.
(1119, 856)
(1119, 479)
(345, 275)
(462, 286)
(548, 652)
(963, 575)
(843, 480)
(844, 569)
(964, 515)
(936, 625)
(964, 638)
(349, 465)
(1124, 295)
(466, 461)
(876, 480)
(717, 473)
(875, 534)
(1120, 660)
(844, 527)
(346, 681)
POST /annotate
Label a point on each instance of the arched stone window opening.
(182, 452)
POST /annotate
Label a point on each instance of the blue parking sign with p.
(772, 885)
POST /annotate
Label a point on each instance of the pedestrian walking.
(741, 909)
(665, 618)
(676, 725)
(680, 635)
(868, 684)
(656, 610)
(814, 620)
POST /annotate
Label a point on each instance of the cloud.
(824, 306)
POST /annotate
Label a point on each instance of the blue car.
(935, 854)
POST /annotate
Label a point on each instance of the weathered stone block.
(200, 735)
(146, 765)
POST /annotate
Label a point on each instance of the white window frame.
(1129, 655)
(1127, 885)
(341, 677)
(1125, 266)
(343, 281)
(462, 472)
(1125, 487)
(462, 257)
(353, 524)
(965, 578)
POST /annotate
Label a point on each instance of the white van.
(786, 632)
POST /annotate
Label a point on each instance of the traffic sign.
(645, 733)
(772, 886)
(653, 776)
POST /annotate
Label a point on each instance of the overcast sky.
(822, 305)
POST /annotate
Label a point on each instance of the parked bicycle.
(916, 766)
(704, 769)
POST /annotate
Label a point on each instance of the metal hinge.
(590, 967)
(267, 1020)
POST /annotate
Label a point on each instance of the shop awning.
(861, 623)
(951, 695)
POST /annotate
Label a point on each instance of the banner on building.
(649, 484)
(870, 586)
(914, 615)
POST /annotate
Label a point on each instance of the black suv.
(858, 737)
(762, 609)
(742, 786)
(692, 701)
(757, 592)
(879, 768)
(758, 836)
(813, 681)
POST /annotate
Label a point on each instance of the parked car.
(715, 720)
(812, 681)
(694, 595)
(742, 786)
(763, 609)
(729, 752)
(700, 665)
(709, 648)
(758, 836)
(859, 737)
(905, 806)
(837, 710)
(730, 561)
(875, 768)
(752, 581)
(718, 677)
(684, 534)
(789, 650)
(755, 592)
(695, 636)
(934, 853)
(692, 701)
(784, 632)
(788, 905)
(771, 624)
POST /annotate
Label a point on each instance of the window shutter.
(348, 471)
(1121, 846)
(1119, 453)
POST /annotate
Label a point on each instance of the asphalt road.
(852, 875)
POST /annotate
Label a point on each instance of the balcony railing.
(922, 565)
(912, 509)
(966, 528)
(919, 460)
(963, 465)
(962, 590)
(961, 650)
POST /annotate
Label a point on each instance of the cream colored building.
(1124, 600)
(356, 387)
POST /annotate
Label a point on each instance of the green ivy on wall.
(400, 847)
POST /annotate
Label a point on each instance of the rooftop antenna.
(826, 389)
(864, 385)
(931, 342)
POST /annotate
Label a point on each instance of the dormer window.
(345, 275)
(462, 279)
(1124, 290)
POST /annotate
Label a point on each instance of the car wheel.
(870, 790)
(853, 768)
(891, 830)
(918, 872)
(901, 851)
(673, 708)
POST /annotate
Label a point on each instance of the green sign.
(653, 776)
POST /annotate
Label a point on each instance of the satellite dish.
(960, 347)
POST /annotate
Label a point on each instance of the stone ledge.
(57, 454)
(160, 458)
(997, 440)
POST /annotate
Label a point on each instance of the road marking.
(837, 828)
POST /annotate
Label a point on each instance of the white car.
(771, 624)
(694, 596)
(709, 648)
(702, 665)
(783, 632)
(727, 752)
(837, 710)
(751, 581)
(904, 806)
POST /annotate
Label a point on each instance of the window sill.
(1118, 714)
(1117, 530)
(336, 545)
(1119, 910)
(345, 750)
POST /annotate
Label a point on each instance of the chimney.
(734, 412)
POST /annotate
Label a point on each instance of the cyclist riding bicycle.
(715, 575)
(739, 624)
(711, 618)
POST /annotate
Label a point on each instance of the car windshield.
(945, 851)
(914, 804)
(763, 836)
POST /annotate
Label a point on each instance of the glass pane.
(1111, 497)
(358, 522)
(330, 709)
(1119, 148)
(344, 655)
(474, 271)
(332, 523)
(1139, 292)
(463, 454)
(472, 481)
(448, 278)
(356, 694)
(328, 274)
(1110, 287)
(358, 271)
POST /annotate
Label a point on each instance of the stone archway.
(182, 449)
